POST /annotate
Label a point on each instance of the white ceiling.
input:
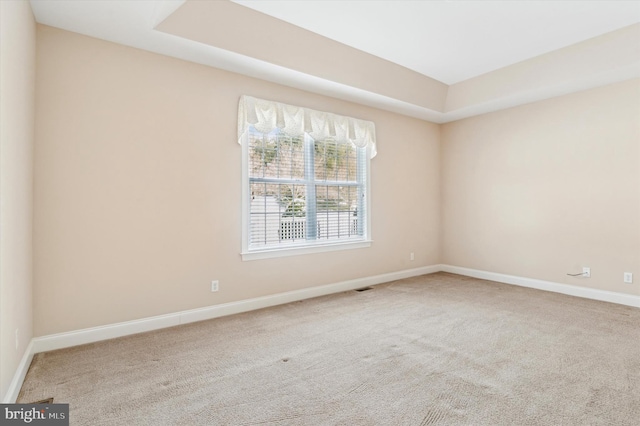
(452, 41)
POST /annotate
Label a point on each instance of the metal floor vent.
(364, 288)
(44, 401)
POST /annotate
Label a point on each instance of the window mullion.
(309, 177)
(362, 185)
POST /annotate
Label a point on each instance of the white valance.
(266, 116)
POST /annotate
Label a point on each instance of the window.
(304, 191)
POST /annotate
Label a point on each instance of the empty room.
(242, 212)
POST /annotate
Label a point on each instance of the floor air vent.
(364, 288)
(44, 401)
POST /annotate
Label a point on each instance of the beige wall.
(17, 85)
(137, 188)
(541, 190)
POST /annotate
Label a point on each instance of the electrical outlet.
(586, 272)
(412, 257)
(628, 277)
(214, 286)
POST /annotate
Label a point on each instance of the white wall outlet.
(17, 341)
(586, 272)
(628, 277)
(214, 286)
(412, 257)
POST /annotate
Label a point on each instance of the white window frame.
(298, 248)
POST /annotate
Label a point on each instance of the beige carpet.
(433, 350)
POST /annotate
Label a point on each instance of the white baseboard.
(18, 378)
(94, 334)
(587, 293)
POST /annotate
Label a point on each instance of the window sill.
(307, 249)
